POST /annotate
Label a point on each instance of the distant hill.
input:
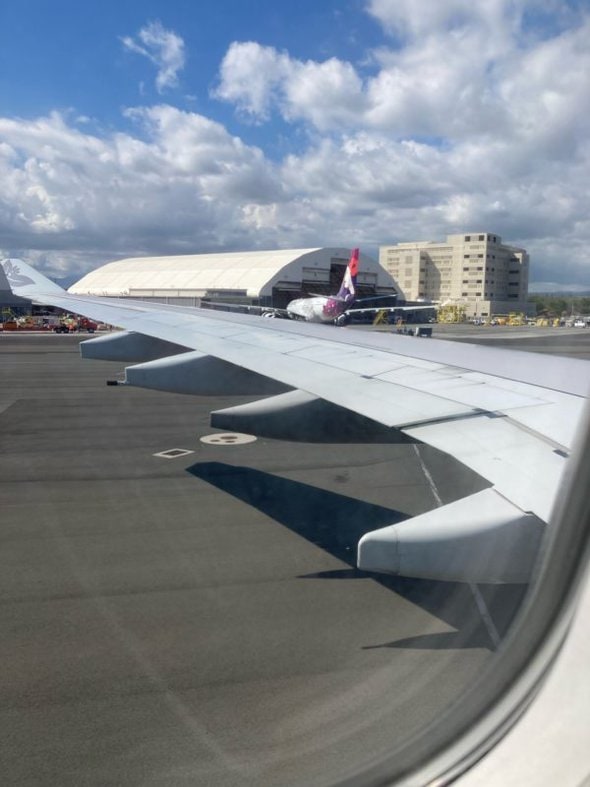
(66, 282)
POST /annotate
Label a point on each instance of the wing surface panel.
(463, 390)
(521, 465)
(369, 364)
(557, 422)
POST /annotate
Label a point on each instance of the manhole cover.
(228, 438)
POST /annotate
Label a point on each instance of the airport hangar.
(244, 278)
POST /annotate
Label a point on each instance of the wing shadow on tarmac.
(335, 523)
(442, 640)
(331, 521)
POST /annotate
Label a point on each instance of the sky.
(140, 127)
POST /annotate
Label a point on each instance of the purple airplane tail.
(347, 291)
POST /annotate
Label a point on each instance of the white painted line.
(478, 598)
(485, 615)
(428, 477)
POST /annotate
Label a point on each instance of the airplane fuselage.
(317, 309)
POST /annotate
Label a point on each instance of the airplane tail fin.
(23, 280)
(347, 289)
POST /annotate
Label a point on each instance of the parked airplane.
(338, 309)
(335, 309)
(329, 308)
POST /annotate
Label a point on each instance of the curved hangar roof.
(248, 273)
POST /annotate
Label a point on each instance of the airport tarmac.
(570, 342)
(198, 619)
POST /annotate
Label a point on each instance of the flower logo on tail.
(14, 276)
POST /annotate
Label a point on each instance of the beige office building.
(474, 270)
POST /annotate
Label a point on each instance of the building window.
(464, 294)
(468, 237)
(482, 237)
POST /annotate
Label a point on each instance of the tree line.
(561, 305)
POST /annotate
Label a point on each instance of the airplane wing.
(261, 311)
(510, 416)
(367, 309)
(417, 307)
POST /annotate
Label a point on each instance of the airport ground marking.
(228, 438)
(173, 453)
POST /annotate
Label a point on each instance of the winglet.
(23, 280)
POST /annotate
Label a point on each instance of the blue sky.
(72, 57)
(146, 127)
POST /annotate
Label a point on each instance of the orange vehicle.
(72, 324)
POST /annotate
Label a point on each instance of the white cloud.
(183, 186)
(162, 47)
(461, 69)
(256, 77)
(249, 74)
(416, 20)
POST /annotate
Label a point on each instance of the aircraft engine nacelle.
(199, 374)
(299, 416)
(128, 346)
